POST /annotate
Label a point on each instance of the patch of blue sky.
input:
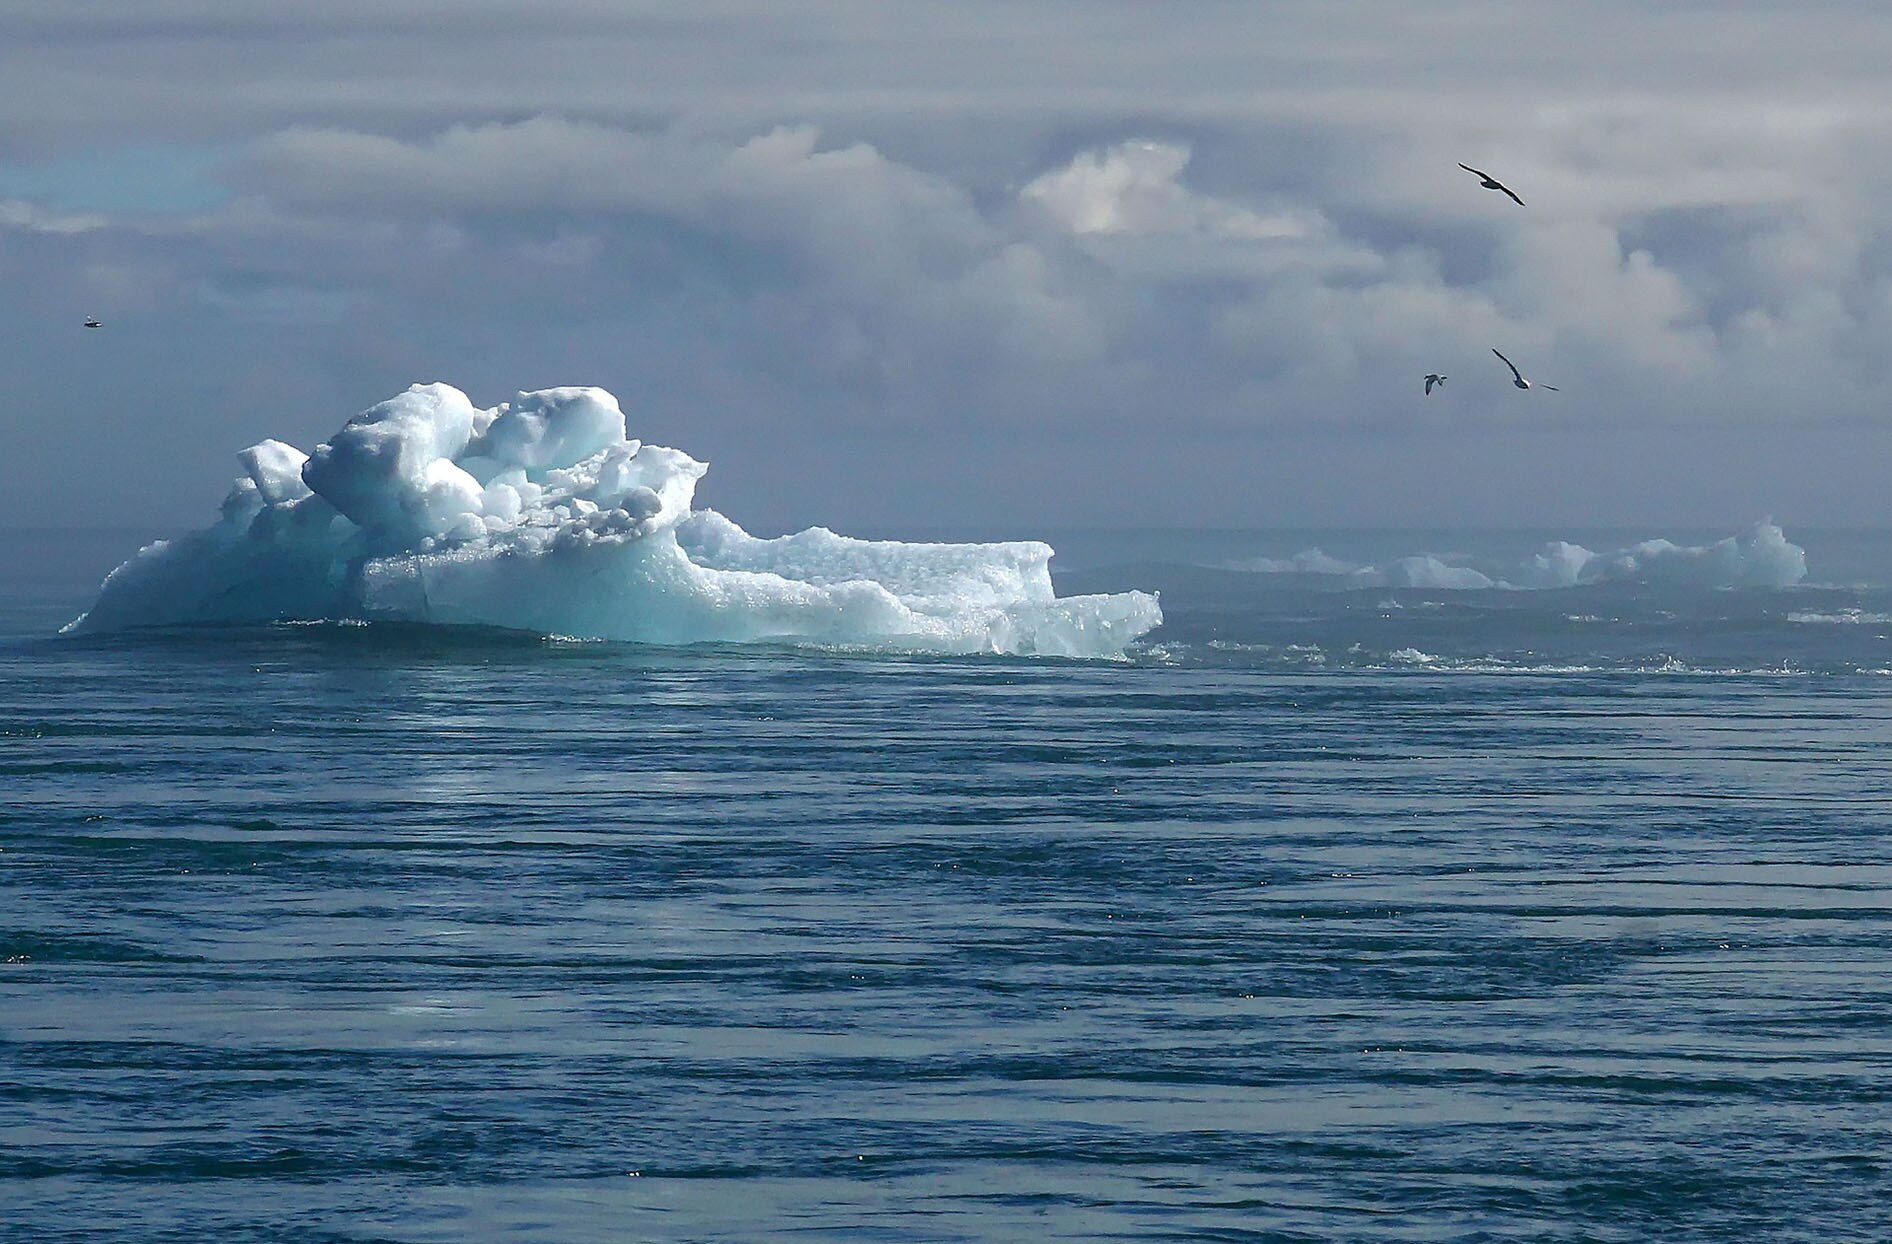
(123, 180)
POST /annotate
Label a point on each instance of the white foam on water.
(1412, 656)
(542, 515)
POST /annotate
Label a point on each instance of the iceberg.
(542, 515)
(1759, 557)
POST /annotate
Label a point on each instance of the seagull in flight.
(1517, 377)
(92, 321)
(1492, 183)
(1434, 378)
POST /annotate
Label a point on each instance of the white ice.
(542, 515)
(1761, 556)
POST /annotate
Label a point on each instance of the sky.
(987, 266)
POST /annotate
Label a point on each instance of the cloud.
(986, 229)
(876, 271)
(1135, 188)
(16, 214)
(854, 285)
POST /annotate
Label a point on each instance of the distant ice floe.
(1840, 617)
(542, 515)
(1761, 556)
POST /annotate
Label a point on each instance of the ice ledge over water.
(542, 515)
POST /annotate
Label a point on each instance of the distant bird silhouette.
(92, 322)
(1492, 183)
(1517, 377)
(1434, 378)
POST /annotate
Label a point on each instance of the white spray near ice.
(1761, 556)
(541, 515)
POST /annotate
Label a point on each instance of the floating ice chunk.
(1423, 570)
(543, 516)
(1761, 556)
(1561, 564)
(1426, 571)
(1850, 616)
(1307, 561)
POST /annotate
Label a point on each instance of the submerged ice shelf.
(542, 515)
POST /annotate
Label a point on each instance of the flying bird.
(1517, 377)
(92, 321)
(1434, 378)
(1492, 183)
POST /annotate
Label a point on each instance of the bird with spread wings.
(1492, 183)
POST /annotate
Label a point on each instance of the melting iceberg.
(541, 515)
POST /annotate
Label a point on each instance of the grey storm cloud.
(1087, 245)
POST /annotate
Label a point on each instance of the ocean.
(1359, 901)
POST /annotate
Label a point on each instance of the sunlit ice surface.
(541, 515)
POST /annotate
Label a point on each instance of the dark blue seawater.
(1332, 913)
